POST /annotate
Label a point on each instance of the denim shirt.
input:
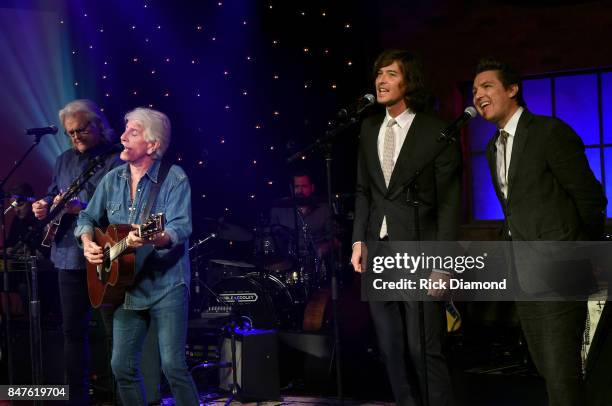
(158, 270)
(65, 253)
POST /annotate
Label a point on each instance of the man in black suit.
(393, 148)
(548, 193)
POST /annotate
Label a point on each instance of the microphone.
(356, 108)
(448, 133)
(11, 207)
(42, 131)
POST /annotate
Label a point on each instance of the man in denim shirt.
(91, 136)
(160, 289)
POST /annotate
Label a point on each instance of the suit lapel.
(518, 145)
(492, 159)
(372, 150)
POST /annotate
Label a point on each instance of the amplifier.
(256, 364)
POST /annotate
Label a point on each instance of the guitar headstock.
(153, 225)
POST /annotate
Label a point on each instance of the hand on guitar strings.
(91, 250)
(40, 209)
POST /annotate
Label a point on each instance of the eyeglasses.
(78, 131)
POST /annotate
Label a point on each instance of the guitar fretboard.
(117, 249)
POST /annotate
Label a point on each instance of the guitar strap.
(164, 168)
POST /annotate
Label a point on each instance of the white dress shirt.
(403, 123)
(502, 170)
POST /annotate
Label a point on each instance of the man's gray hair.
(92, 112)
(156, 127)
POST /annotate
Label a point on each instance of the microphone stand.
(5, 280)
(411, 188)
(325, 143)
(202, 241)
(413, 200)
(296, 230)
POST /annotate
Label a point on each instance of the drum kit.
(271, 289)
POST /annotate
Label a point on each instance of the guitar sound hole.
(105, 267)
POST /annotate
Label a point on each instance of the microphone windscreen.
(471, 111)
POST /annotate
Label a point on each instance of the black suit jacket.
(439, 184)
(552, 192)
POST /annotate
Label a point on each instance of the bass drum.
(262, 301)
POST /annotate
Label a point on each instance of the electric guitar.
(107, 282)
(51, 228)
(453, 317)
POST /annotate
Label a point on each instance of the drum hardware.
(273, 249)
(196, 269)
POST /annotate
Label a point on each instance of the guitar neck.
(120, 246)
(118, 249)
(154, 225)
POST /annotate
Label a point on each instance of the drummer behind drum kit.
(271, 292)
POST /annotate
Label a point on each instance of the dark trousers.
(76, 313)
(553, 331)
(398, 332)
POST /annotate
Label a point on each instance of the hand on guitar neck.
(158, 240)
(73, 206)
(41, 207)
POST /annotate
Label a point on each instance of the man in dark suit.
(548, 193)
(393, 148)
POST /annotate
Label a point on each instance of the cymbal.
(225, 230)
(291, 202)
(232, 264)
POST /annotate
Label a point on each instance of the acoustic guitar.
(107, 282)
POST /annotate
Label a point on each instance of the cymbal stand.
(196, 282)
(310, 246)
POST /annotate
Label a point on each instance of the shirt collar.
(152, 172)
(402, 120)
(511, 125)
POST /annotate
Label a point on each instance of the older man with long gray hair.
(90, 135)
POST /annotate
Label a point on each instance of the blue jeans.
(129, 331)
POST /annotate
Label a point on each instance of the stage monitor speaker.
(256, 364)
